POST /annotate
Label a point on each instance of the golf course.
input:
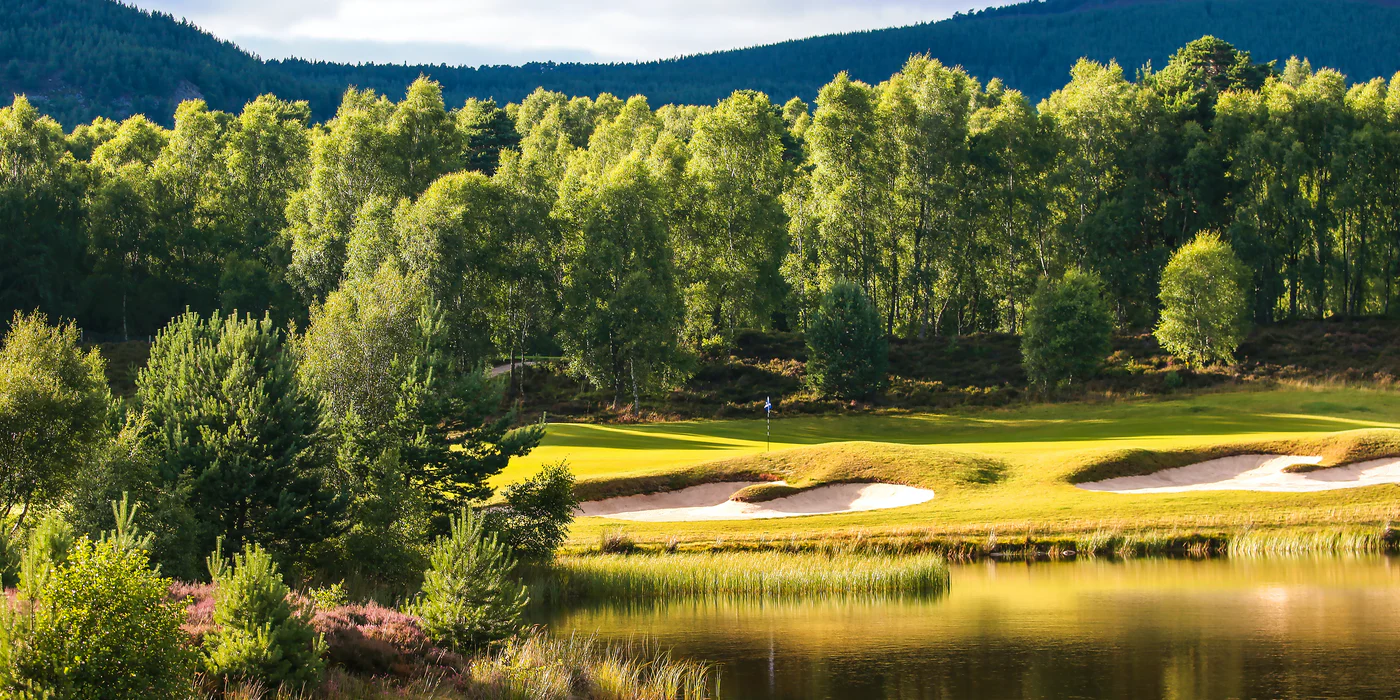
(1002, 475)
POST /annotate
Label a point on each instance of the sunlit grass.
(770, 574)
(1006, 475)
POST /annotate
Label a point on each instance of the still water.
(1143, 629)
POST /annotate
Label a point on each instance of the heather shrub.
(470, 596)
(258, 636)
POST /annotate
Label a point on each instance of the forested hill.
(84, 58)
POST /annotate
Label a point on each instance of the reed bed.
(742, 574)
(1295, 541)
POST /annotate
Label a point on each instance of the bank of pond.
(779, 625)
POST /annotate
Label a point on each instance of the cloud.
(516, 31)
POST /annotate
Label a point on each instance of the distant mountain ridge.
(84, 58)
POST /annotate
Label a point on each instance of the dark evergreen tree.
(847, 353)
(234, 430)
(1068, 325)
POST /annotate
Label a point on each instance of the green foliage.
(53, 401)
(10, 555)
(46, 550)
(1067, 331)
(470, 596)
(258, 636)
(847, 353)
(230, 419)
(101, 627)
(127, 467)
(1204, 306)
(415, 434)
(535, 517)
(622, 310)
(735, 238)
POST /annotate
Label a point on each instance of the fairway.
(1038, 449)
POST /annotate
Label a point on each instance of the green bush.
(469, 595)
(1205, 304)
(537, 512)
(1067, 331)
(258, 637)
(101, 626)
(847, 352)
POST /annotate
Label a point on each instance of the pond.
(1141, 629)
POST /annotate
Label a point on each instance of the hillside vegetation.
(87, 58)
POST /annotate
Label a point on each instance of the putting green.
(1041, 445)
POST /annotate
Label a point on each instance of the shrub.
(1066, 336)
(847, 352)
(101, 627)
(535, 518)
(470, 596)
(1204, 303)
(258, 637)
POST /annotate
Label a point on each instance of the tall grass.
(541, 667)
(1329, 540)
(742, 574)
(530, 667)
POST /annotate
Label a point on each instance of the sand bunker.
(711, 502)
(1255, 473)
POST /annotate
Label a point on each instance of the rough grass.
(535, 666)
(770, 574)
(1004, 474)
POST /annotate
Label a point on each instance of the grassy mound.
(804, 468)
(1335, 449)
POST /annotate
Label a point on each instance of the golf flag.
(767, 405)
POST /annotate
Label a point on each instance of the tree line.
(81, 59)
(626, 237)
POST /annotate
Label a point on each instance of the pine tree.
(470, 596)
(847, 354)
(231, 421)
(259, 637)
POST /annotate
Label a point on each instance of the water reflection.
(1183, 630)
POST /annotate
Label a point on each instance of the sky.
(477, 32)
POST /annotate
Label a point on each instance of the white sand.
(1255, 473)
(711, 502)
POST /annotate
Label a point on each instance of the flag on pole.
(767, 405)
